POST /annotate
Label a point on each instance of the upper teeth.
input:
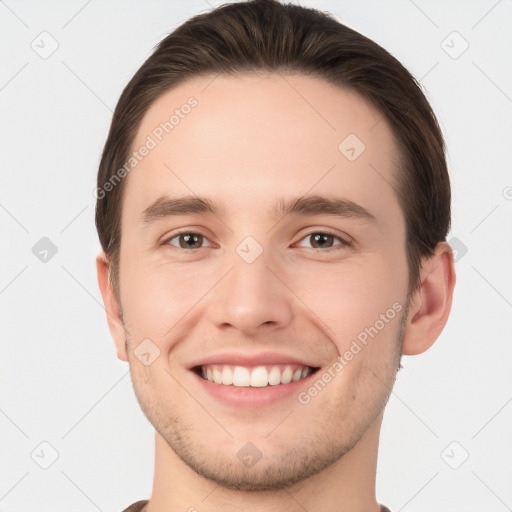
(258, 376)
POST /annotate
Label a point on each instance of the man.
(273, 204)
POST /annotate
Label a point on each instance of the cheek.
(158, 298)
(357, 301)
(151, 298)
(156, 390)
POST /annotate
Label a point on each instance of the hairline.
(400, 156)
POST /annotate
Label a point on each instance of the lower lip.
(246, 396)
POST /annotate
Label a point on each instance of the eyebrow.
(311, 205)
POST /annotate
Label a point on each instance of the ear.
(431, 303)
(112, 307)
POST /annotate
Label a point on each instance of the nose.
(252, 297)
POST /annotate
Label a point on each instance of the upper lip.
(246, 359)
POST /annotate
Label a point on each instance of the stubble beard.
(276, 470)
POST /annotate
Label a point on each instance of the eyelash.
(343, 243)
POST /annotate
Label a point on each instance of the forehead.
(261, 136)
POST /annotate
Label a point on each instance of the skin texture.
(250, 140)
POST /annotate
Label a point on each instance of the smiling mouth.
(253, 376)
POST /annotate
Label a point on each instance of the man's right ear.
(112, 307)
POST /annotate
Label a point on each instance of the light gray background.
(61, 381)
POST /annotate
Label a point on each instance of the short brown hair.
(266, 35)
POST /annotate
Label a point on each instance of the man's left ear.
(431, 303)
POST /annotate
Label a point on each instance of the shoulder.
(139, 505)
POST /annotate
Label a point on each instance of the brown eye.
(321, 240)
(324, 240)
(188, 240)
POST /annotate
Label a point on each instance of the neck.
(347, 485)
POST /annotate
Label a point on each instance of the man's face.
(251, 287)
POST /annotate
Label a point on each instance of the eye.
(190, 240)
(324, 240)
(187, 240)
